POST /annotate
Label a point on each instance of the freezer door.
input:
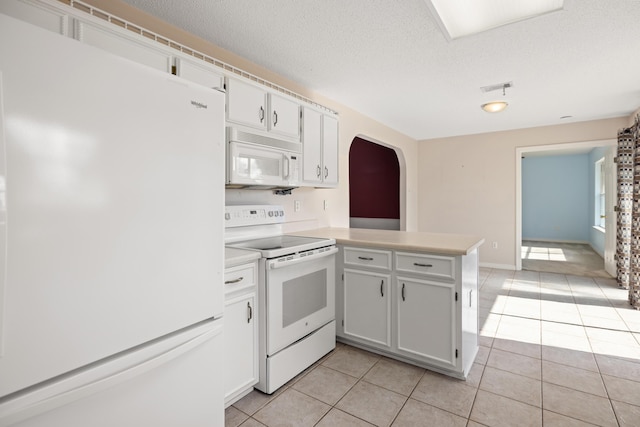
(114, 198)
(173, 382)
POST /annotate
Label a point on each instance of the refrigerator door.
(113, 202)
(172, 382)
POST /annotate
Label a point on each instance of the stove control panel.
(244, 215)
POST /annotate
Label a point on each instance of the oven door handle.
(273, 265)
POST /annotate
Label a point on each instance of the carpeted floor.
(564, 258)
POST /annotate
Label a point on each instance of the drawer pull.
(365, 258)
(403, 292)
(239, 279)
(417, 264)
(250, 312)
(382, 288)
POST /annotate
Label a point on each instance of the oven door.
(300, 297)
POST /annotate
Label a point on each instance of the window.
(599, 196)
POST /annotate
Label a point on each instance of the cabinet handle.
(470, 294)
(261, 115)
(275, 118)
(417, 264)
(382, 288)
(365, 258)
(250, 312)
(326, 172)
(239, 279)
(403, 292)
(318, 171)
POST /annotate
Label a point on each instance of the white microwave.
(260, 162)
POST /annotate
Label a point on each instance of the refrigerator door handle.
(101, 377)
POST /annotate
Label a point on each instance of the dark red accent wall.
(374, 181)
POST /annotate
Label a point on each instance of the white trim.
(498, 266)
(579, 242)
(537, 148)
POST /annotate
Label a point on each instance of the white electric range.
(296, 298)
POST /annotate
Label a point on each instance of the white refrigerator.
(111, 239)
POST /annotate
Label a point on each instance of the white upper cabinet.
(312, 146)
(200, 72)
(329, 151)
(251, 105)
(320, 148)
(284, 116)
(246, 104)
(123, 43)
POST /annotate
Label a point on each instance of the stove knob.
(276, 213)
(270, 213)
(281, 213)
(227, 216)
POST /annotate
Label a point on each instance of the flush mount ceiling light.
(496, 106)
(459, 18)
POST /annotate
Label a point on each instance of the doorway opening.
(374, 186)
(555, 238)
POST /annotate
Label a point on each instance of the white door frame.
(554, 149)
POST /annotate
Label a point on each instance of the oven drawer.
(440, 267)
(239, 278)
(371, 258)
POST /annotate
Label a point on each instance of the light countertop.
(235, 256)
(436, 243)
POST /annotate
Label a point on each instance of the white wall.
(468, 183)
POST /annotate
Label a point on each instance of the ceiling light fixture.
(496, 106)
(459, 18)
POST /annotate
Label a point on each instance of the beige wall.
(467, 184)
(352, 124)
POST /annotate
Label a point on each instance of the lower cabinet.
(426, 320)
(416, 307)
(240, 332)
(240, 335)
(367, 306)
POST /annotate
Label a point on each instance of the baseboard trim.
(497, 266)
(581, 242)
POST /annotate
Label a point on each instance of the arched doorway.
(374, 186)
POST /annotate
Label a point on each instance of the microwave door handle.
(286, 166)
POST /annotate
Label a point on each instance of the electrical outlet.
(494, 245)
(296, 205)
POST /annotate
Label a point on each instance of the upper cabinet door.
(284, 116)
(124, 43)
(329, 150)
(246, 104)
(311, 146)
(199, 72)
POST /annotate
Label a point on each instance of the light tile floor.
(556, 350)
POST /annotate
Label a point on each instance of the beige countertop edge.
(234, 256)
(436, 243)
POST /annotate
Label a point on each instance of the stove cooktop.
(276, 246)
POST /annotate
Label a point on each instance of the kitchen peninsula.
(411, 296)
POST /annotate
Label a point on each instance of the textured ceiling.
(389, 60)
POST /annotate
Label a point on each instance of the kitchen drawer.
(239, 278)
(370, 258)
(440, 267)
